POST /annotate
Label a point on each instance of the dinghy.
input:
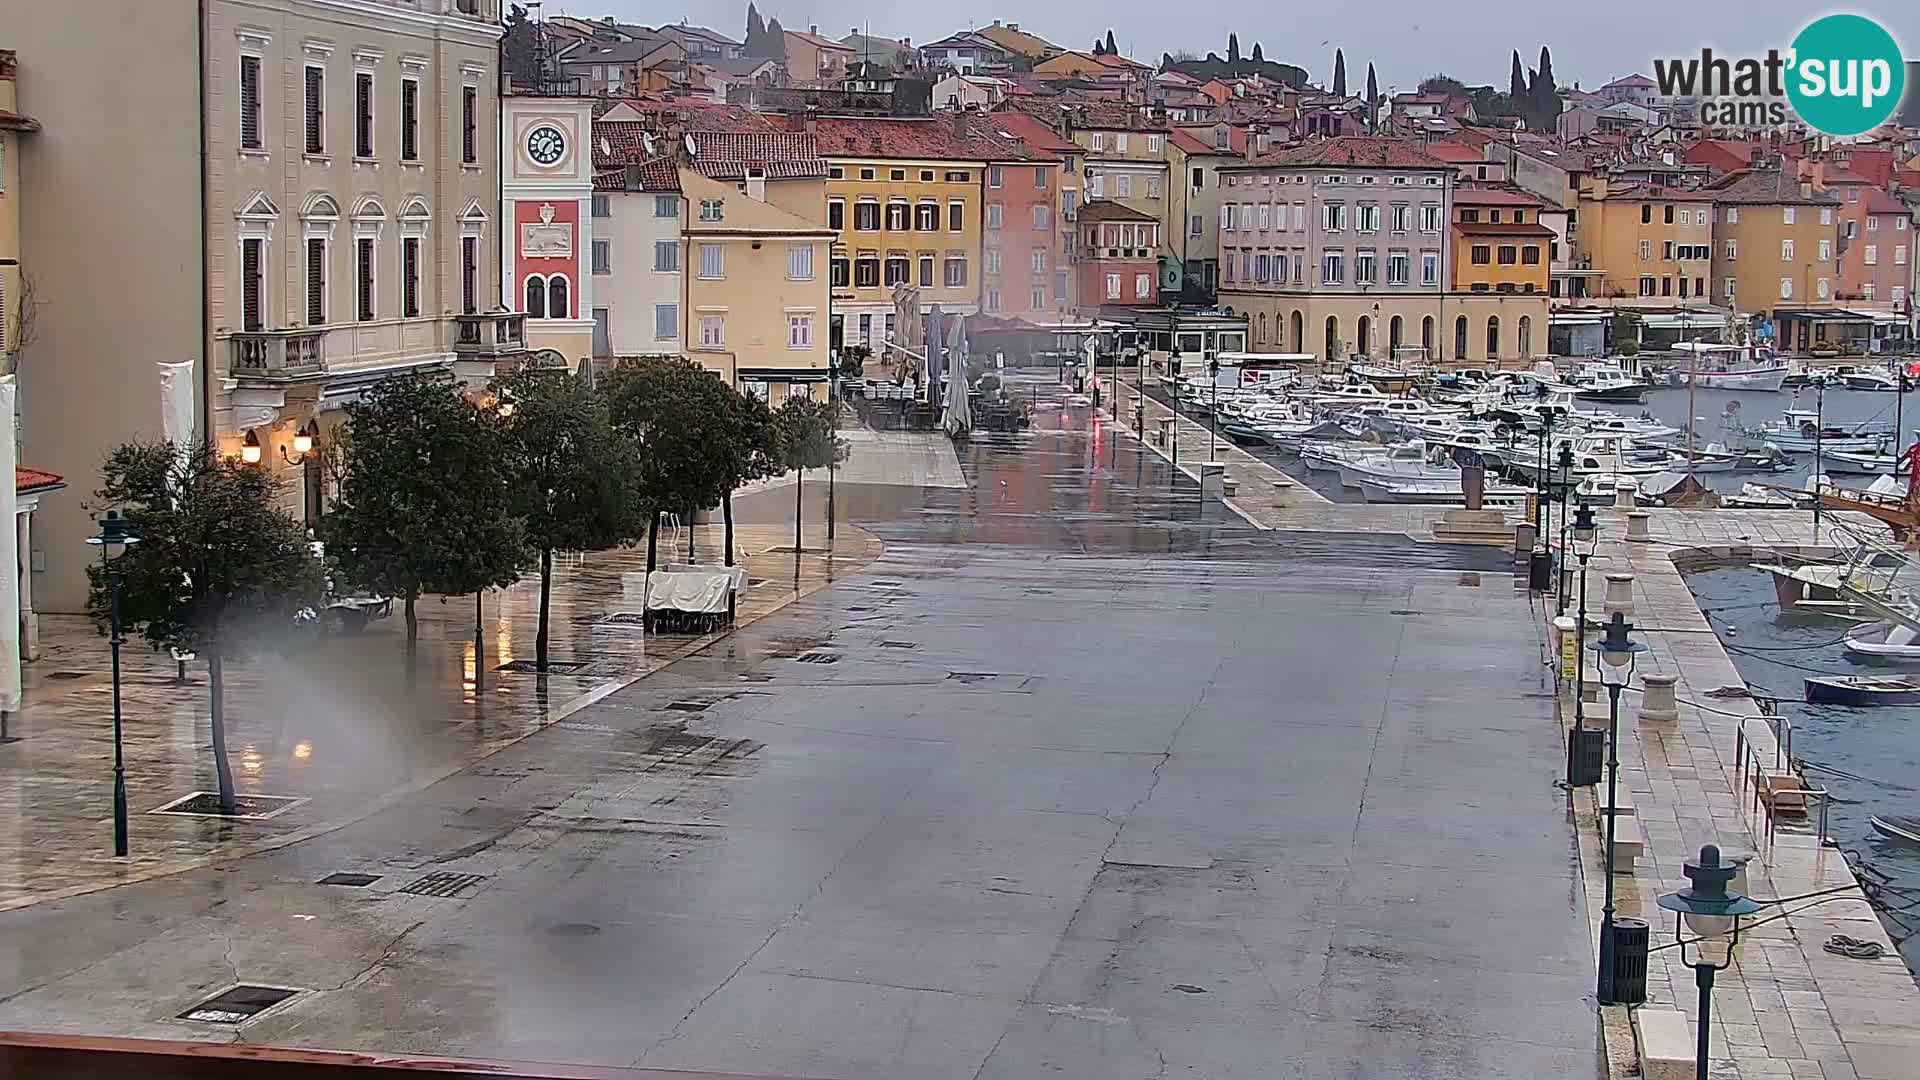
(1863, 691)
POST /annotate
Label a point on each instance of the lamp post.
(1586, 537)
(1819, 435)
(1564, 470)
(1213, 410)
(1616, 652)
(115, 536)
(1173, 409)
(1712, 910)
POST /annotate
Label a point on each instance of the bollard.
(1657, 702)
(1624, 493)
(1166, 430)
(1524, 534)
(1619, 596)
(1212, 478)
(1637, 527)
(1565, 642)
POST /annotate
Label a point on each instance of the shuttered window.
(469, 118)
(363, 276)
(409, 120)
(250, 102)
(251, 266)
(363, 114)
(316, 282)
(469, 274)
(410, 277)
(316, 110)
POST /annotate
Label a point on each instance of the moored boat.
(1905, 829)
(1862, 691)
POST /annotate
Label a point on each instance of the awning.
(790, 375)
(1576, 320)
(1892, 317)
(1838, 316)
(1693, 320)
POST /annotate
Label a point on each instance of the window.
(1196, 224)
(1226, 266)
(866, 216)
(666, 206)
(990, 261)
(1786, 214)
(602, 256)
(470, 274)
(666, 256)
(1096, 185)
(1120, 142)
(926, 217)
(1899, 224)
(1866, 291)
(410, 277)
(316, 110)
(666, 322)
(252, 285)
(1333, 216)
(1648, 286)
(1039, 260)
(1038, 298)
(1369, 217)
(994, 177)
(897, 269)
(1786, 250)
(1900, 255)
(1733, 215)
(1402, 217)
(840, 271)
(1280, 268)
(1123, 185)
(1365, 267)
(1429, 268)
(1113, 286)
(836, 172)
(1332, 268)
(898, 214)
(316, 281)
(836, 213)
(1786, 288)
(1199, 179)
(1666, 286)
(866, 271)
(926, 271)
(1482, 255)
(1153, 187)
(713, 261)
(1042, 216)
(1820, 288)
(409, 120)
(250, 138)
(956, 271)
(1397, 267)
(1666, 250)
(1097, 140)
(800, 262)
(1530, 255)
(1469, 215)
(1154, 142)
(1430, 217)
(1261, 267)
(1873, 225)
(469, 125)
(712, 209)
(1142, 286)
(1683, 288)
(1226, 219)
(991, 299)
(1508, 255)
(1898, 293)
(1667, 213)
(1733, 250)
(961, 177)
(713, 331)
(799, 331)
(866, 174)
(600, 206)
(1264, 217)
(1826, 251)
(1040, 178)
(1826, 212)
(1646, 213)
(1730, 286)
(363, 281)
(956, 217)
(994, 214)
(1646, 250)
(363, 114)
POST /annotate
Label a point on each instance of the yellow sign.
(1569, 656)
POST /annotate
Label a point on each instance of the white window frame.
(800, 330)
(1786, 288)
(1113, 286)
(1786, 249)
(602, 255)
(800, 262)
(1733, 215)
(1142, 285)
(718, 270)
(1786, 215)
(713, 329)
(668, 308)
(1429, 268)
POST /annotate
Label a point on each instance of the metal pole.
(1213, 415)
(1819, 433)
(119, 761)
(479, 639)
(1613, 779)
(1693, 380)
(1560, 578)
(1703, 977)
(1580, 654)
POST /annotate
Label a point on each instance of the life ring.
(1808, 430)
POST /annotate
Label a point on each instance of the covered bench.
(693, 599)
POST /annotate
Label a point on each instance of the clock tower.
(546, 171)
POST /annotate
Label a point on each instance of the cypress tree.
(1339, 73)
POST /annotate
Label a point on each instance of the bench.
(1629, 838)
(1782, 790)
(1664, 1043)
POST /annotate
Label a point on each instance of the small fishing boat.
(1863, 691)
(1884, 641)
(1606, 382)
(1729, 367)
(1871, 379)
(1387, 379)
(1899, 828)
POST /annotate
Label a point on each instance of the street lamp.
(1616, 652)
(1586, 538)
(304, 440)
(1563, 470)
(1710, 909)
(250, 448)
(1213, 411)
(1819, 435)
(115, 536)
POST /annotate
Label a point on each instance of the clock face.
(545, 144)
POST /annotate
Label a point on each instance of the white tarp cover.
(737, 573)
(700, 592)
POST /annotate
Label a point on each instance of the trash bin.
(1586, 752)
(1524, 535)
(1630, 947)
(1540, 572)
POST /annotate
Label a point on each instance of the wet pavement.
(1079, 779)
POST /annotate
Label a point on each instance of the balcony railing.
(491, 333)
(280, 354)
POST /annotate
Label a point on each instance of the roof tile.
(1353, 150)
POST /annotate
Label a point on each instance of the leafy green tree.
(696, 438)
(520, 48)
(803, 438)
(1443, 84)
(217, 563)
(1339, 73)
(423, 502)
(570, 478)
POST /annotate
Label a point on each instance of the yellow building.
(12, 126)
(756, 284)
(1650, 245)
(1775, 250)
(1502, 246)
(904, 199)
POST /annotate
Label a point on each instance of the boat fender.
(1808, 430)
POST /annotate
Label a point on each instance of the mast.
(1693, 381)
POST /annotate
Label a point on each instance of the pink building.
(1119, 256)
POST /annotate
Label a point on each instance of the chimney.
(814, 29)
(960, 123)
(756, 183)
(1254, 136)
(1806, 190)
(813, 119)
(996, 22)
(1013, 26)
(633, 176)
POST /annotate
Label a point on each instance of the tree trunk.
(799, 509)
(726, 512)
(653, 542)
(546, 594)
(413, 632)
(690, 555)
(217, 702)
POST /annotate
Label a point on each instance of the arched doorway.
(1526, 337)
(1394, 328)
(1333, 338)
(1460, 338)
(1493, 337)
(1299, 324)
(1426, 337)
(1260, 335)
(1363, 341)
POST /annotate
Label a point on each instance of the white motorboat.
(1868, 463)
(1757, 497)
(1407, 462)
(1392, 380)
(1441, 492)
(1713, 366)
(1885, 641)
(1606, 382)
(1874, 380)
(1799, 430)
(1329, 456)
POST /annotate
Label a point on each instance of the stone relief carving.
(546, 239)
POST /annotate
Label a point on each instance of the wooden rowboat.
(1863, 690)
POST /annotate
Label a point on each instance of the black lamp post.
(1566, 498)
(1586, 537)
(1819, 434)
(1173, 409)
(115, 536)
(1616, 652)
(1213, 411)
(1712, 911)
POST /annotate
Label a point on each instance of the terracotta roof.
(1877, 201)
(1503, 228)
(1108, 210)
(1020, 127)
(1203, 135)
(1458, 153)
(1765, 187)
(1479, 196)
(1843, 175)
(1353, 151)
(1743, 151)
(658, 175)
(726, 155)
(954, 137)
(817, 41)
(16, 122)
(26, 480)
(1657, 192)
(1636, 79)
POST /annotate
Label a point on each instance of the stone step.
(1664, 1043)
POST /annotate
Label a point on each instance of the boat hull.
(1760, 380)
(1861, 693)
(1630, 394)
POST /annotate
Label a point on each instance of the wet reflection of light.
(503, 640)
(250, 759)
(467, 666)
(302, 751)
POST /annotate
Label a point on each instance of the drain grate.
(351, 881)
(1405, 611)
(238, 1005)
(973, 676)
(859, 607)
(443, 884)
(246, 807)
(818, 658)
(62, 676)
(554, 667)
(755, 582)
(899, 644)
(688, 706)
(884, 583)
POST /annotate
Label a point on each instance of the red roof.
(1877, 201)
(1479, 196)
(1108, 210)
(1503, 228)
(1203, 136)
(1353, 150)
(1030, 130)
(1458, 153)
(17, 122)
(1843, 175)
(26, 480)
(954, 137)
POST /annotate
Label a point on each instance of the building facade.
(638, 256)
(1118, 265)
(1775, 250)
(546, 183)
(13, 126)
(1650, 246)
(1020, 243)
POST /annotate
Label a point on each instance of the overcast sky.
(1407, 39)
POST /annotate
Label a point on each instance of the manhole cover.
(621, 618)
(351, 881)
(818, 658)
(899, 644)
(554, 667)
(443, 884)
(238, 1005)
(248, 807)
(688, 706)
(65, 675)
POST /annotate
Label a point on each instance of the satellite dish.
(692, 148)
(606, 148)
(646, 142)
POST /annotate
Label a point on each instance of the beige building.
(1776, 251)
(330, 224)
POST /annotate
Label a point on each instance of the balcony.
(276, 356)
(494, 333)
